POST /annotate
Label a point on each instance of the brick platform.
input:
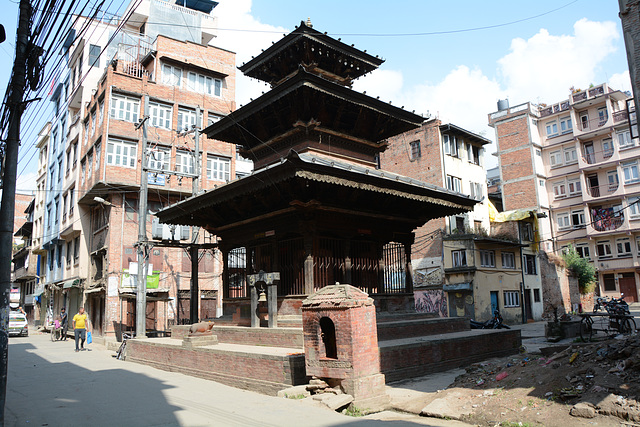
(272, 337)
(413, 357)
(263, 369)
(398, 329)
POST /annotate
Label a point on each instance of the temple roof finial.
(308, 23)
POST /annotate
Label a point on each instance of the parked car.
(18, 324)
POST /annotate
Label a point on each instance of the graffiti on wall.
(431, 301)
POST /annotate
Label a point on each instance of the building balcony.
(556, 108)
(603, 191)
(26, 267)
(606, 220)
(589, 94)
(593, 127)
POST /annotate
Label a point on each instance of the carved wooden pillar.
(381, 266)
(225, 272)
(347, 263)
(308, 263)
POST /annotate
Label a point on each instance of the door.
(628, 289)
(151, 315)
(494, 301)
(208, 308)
(130, 314)
(589, 153)
(594, 188)
(527, 305)
(461, 304)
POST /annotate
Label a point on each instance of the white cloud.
(26, 183)
(240, 32)
(621, 81)
(544, 67)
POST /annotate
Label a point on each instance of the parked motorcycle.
(494, 323)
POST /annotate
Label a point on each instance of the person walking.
(64, 321)
(80, 324)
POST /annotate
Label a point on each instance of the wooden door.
(208, 308)
(151, 315)
(628, 289)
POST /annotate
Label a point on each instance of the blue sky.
(433, 65)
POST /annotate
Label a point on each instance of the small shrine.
(341, 343)
(317, 209)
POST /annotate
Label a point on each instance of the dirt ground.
(585, 384)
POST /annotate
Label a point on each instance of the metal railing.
(602, 190)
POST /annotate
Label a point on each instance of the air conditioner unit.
(168, 232)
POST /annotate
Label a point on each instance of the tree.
(580, 268)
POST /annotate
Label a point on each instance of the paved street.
(51, 385)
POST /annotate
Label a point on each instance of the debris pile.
(331, 396)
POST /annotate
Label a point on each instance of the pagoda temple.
(316, 210)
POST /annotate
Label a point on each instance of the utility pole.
(143, 246)
(194, 300)
(10, 169)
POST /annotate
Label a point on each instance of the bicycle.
(121, 354)
(607, 324)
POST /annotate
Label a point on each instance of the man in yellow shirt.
(80, 324)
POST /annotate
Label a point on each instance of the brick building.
(575, 165)
(91, 150)
(459, 270)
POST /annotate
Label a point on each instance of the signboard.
(129, 281)
(154, 178)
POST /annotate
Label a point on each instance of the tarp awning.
(71, 283)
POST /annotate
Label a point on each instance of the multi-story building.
(91, 151)
(23, 262)
(181, 84)
(459, 270)
(575, 164)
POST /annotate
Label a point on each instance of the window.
(204, 84)
(575, 188)
(570, 155)
(125, 108)
(538, 152)
(607, 148)
(529, 264)
(76, 250)
(213, 118)
(454, 183)
(555, 158)
(184, 162)
(218, 168)
(603, 116)
(53, 254)
(459, 258)
(603, 249)
(527, 231)
(459, 221)
(583, 250)
(536, 295)
(450, 145)
(541, 182)
(475, 155)
(83, 170)
(101, 114)
(508, 260)
(552, 128)
(415, 149)
(559, 190)
(171, 75)
(623, 247)
(630, 171)
(186, 119)
(121, 153)
(609, 282)
(565, 124)
(68, 254)
(98, 149)
(577, 219)
(612, 180)
(160, 115)
(159, 159)
(634, 208)
(624, 139)
(563, 221)
(487, 259)
(90, 165)
(94, 55)
(511, 299)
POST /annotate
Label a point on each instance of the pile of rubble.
(318, 390)
(584, 380)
